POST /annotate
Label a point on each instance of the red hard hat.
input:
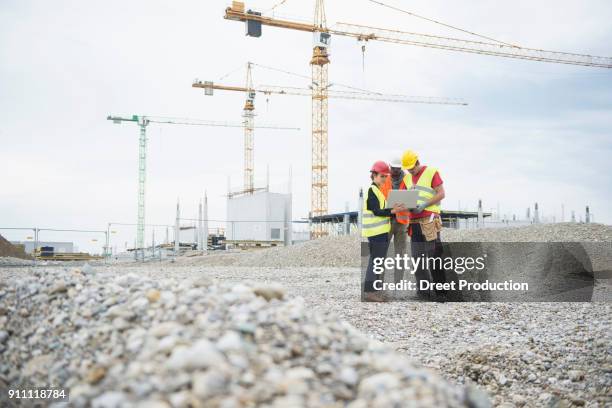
(380, 167)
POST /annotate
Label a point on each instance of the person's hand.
(419, 208)
(397, 207)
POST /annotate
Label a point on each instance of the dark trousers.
(419, 246)
(378, 246)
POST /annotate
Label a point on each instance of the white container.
(262, 216)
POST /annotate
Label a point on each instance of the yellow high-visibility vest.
(423, 186)
(372, 224)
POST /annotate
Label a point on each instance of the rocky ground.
(160, 337)
(103, 332)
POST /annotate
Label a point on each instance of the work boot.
(373, 297)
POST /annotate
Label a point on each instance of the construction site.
(175, 242)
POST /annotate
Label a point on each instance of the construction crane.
(143, 122)
(319, 164)
(320, 60)
(248, 114)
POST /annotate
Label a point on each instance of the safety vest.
(387, 186)
(372, 224)
(423, 186)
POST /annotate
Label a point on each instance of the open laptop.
(407, 197)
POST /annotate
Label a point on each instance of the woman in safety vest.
(376, 225)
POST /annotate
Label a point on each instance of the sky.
(532, 132)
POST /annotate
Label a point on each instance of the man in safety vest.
(425, 223)
(399, 221)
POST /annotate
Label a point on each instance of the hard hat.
(409, 159)
(396, 162)
(380, 167)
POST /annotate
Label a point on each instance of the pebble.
(269, 291)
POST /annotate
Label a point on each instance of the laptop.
(407, 197)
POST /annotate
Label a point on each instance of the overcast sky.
(532, 131)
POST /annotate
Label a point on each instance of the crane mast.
(320, 83)
(249, 124)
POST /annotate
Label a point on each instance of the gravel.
(335, 251)
(560, 232)
(344, 251)
(12, 261)
(118, 339)
(107, 332)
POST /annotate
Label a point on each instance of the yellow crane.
(320, 61)
(319, 166)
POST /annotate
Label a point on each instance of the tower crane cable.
(274, 7)
(241, 67)
(439, 22)
(338, 84)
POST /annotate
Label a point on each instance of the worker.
(376, 226)
(425, 223)
(399, 220)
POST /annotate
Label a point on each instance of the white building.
(262, 216)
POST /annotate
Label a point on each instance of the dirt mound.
(8, 249)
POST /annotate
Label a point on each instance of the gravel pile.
(561, 232)
(12, 261)
(8, 249)
(126, 339)
(335, 251)
(344, 251)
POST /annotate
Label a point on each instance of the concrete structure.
(58, 247)
(188, 234)
(262, 216)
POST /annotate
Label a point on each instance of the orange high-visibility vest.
(388, 186)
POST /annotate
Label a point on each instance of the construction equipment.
(143, 122)
(248, 114)
(319, 163)
(48, 254)
(320, 60)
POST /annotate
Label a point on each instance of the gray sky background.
(532, 132)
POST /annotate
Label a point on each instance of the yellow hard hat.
(409, 159)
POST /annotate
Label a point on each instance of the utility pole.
(205, 215)
(200, 228)
(177, 229)
(562, 212)
(587, 217)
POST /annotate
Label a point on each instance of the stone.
(270, 291)
(378, 384)
(208, 384)
(96, 374)
(59, 287)
(153, 295)
(230, 341)
(349, 376)
(109, 399)
(202, 354)
(476, 398)
(575, 375)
